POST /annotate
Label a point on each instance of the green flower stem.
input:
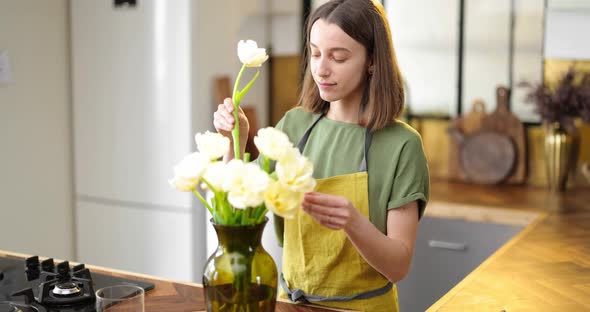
(226, 211)
(259, 213)
(236, 97)
(249, 84)
(203, 201)
(209, 185)
(219, 215)
(266, 164)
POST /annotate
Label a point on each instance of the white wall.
(36, 209)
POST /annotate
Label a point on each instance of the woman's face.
(338, 63)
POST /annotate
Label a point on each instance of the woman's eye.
(339, 60)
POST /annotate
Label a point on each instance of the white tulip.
(188, 172)
(181, 184)
(246, 184)
(272, 143)
(250, 54)
(296, 172)
(212, 144)
(281, 200)
(216, 175)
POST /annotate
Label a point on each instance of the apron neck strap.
(368, 136)
(305, 137)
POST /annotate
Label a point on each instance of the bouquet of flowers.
(243, 191)
(570, 98)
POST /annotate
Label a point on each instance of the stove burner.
(37, 285)
(19, 307)
(66, 289)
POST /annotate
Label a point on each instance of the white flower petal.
(216, 174)
(183, 184)
(281, 200)
(192, 166)
(272, 143)
(246, 184)
(188, 172)
(296, 172)
(250, 54)
(212, 144)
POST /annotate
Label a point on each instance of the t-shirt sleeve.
(411, 178)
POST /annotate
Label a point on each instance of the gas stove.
(32, 285)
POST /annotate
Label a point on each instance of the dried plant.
(567, 100)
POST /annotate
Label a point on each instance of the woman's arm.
(389, 254)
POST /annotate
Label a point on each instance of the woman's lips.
(325, 85)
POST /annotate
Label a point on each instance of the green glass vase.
(240, 275)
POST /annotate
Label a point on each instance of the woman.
(355, 236)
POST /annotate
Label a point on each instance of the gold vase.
(559, 156)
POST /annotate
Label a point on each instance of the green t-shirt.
(397, 167)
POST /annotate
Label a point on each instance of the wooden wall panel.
(284, 85)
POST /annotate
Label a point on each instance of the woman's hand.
(389, 254)
(334, 212)
(223, 120)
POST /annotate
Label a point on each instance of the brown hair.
(365, 21)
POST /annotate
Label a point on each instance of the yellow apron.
(320, 264)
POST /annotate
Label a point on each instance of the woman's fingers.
(229, 105)
(333, 217)
(226, 115)
(221, 122)
(223, 118)
(325, 199)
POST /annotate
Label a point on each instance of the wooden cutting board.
(485, 157)
(472, 121)
(467, 123)
(503, 121)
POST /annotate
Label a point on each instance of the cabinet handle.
(446, 245)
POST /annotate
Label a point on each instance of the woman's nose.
(322, 67)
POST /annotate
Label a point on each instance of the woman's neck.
(339, 112)
(345, 110)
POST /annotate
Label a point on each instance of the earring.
(370, 71)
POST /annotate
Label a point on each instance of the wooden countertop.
(169, 295)
(546, 267)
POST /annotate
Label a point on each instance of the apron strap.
(297, 294)
(305, 137)
(368, 137)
